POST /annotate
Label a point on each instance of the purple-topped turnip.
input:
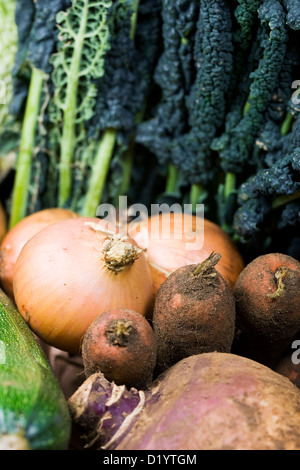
(210, 401)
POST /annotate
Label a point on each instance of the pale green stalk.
(104, 155)
(23, 170)
(196, 192)
(172, 178)
(68, 134)
(99, 173)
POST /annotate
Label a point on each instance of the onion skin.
(167, 255)
(61, 282)
(17, 236)
(210, 401)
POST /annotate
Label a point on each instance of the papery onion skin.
(17, 236)
(166, 255)
(62, 284)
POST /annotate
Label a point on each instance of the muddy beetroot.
(121, 344)
(194, 312)
(267, 307)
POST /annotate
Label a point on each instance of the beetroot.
(267, 296)
(121, 344)
(194, 312)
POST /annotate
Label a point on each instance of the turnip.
(209, 401)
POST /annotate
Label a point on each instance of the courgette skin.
(34, 414)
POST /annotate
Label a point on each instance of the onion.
(167, 253)
(17, 236)
(73, 271)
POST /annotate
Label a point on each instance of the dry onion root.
(73, 271)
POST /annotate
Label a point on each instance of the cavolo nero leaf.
(37, 35)
(9, 128)
(79, 60)
(8, 42)
(121, 91)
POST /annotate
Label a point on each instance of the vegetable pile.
(162, 101)
(195, 365)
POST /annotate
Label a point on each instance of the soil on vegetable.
(193, 313)
(121, 345)
(267, 308)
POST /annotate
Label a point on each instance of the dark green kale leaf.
(174, 74)
(37, 37)
(206, 101)
(264, 80)
(122, 90)
(293, 13)
(266, 195)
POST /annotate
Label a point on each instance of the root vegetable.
(211, 401)
(267, 296)
(17, 236)
(120, 344)
(194, 312)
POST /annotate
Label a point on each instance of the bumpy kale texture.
(266, 199)
(240, 141)
(37, 39)
(293, 13)
(122, 90)
(173, 75)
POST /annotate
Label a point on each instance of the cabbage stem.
(172, 179)
(230, 184)
(287, 124)
(99, 173)
(284, 199)
(196, 192)
(68, 133)
(127, 166)
(23, 168)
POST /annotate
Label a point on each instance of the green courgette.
(33, 411)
